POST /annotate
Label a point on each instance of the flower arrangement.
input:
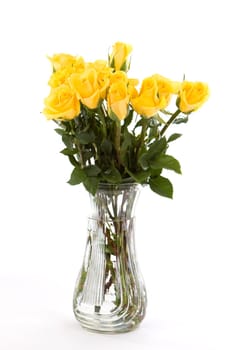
(113, 131)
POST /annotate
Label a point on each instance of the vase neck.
(114, 202)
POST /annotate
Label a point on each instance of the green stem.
(77, 144)
(118, 142)
(142, 137)
(102, 116)
(169, 122)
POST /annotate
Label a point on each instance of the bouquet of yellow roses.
(113, 131)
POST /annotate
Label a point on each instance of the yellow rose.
(192, 95)
(166, 85)
(103, 82)
(103, 76)
(99, 65)
(79, 65)
(60, 77)
(61, 104)
(146, 102)
(86, 87)
(119, 56)
(62, 60)
(155, 94)
(118, 100)
(166, 88)
(133, 82)
(118, 76)
(132, 91)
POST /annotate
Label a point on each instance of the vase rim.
(118, 186)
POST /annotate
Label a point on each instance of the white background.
(184, 245)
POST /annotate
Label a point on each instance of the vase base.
(109, 330)
(110, 324)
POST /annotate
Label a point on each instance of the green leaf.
(112, 175)
(144, 160)
(92, 170)
(173, 137)
(127, 140)
(72, 160)
(156, 148)
(106, 147)
(164, 111)
(128, 150)
(159, 118)
(87, 155)
(161, 186)
(60, 131)
(155, 172)
(85, 137)
(68, 141)
(181, 120)
(153, 129)
(78, 175)
(139, 123)
(112, 63)
(68, 152)
(113, 116)
(128, 119)
(124, 66)
(140, 176)
(167, 162)
(91, 184)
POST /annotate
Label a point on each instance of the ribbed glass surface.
(110, 295)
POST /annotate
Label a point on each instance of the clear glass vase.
(110, 295)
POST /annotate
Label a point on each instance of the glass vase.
(110, 295)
